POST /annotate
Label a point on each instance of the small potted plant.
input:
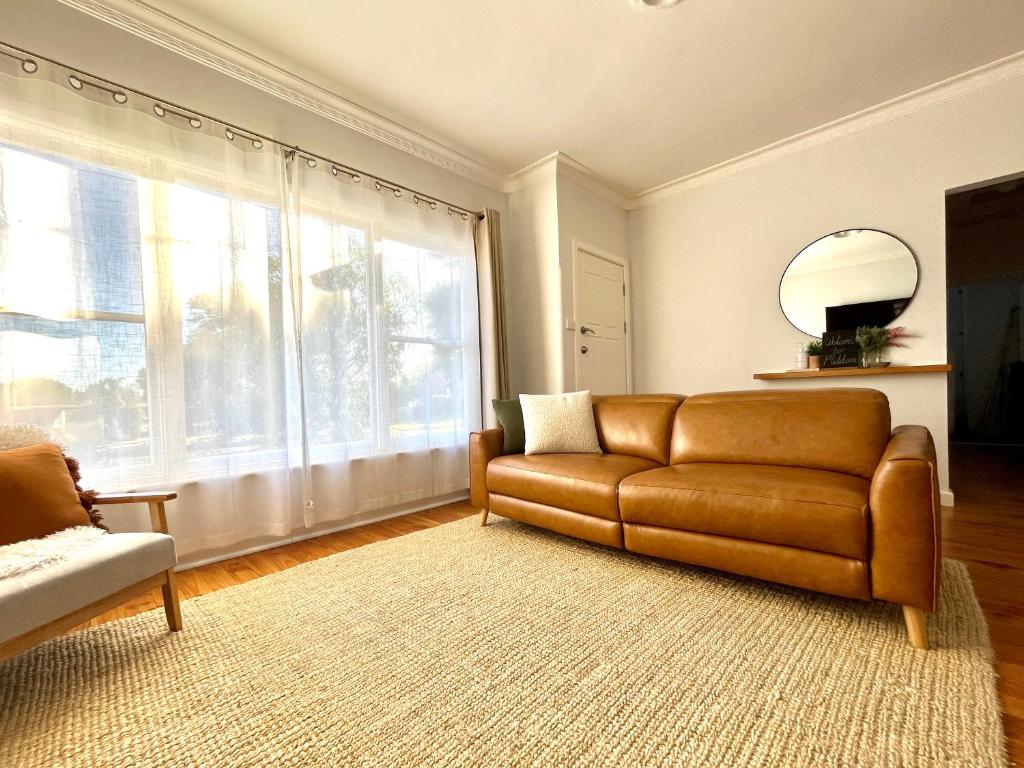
(873, 340)
(813, 350)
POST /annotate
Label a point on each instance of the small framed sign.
(839, 349)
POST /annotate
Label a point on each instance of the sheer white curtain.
(186, 308)
(389, 341)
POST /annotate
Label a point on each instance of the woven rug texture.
(510, 646)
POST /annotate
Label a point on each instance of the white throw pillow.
(559, 423)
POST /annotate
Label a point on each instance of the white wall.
(707, 262)
(533, 288)
(583, 217)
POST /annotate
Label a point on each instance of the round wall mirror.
(848, 279)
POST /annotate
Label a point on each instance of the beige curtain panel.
(493, 338)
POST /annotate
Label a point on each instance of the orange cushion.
(37, 494)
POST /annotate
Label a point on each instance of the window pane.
(441, 296)
(38, 250)
(109, 272)
(70, 238)
(84, 381)
(336, 341)
(422, 322)
(424, 387)
(70, 248)
(421, 292)
(225, 257)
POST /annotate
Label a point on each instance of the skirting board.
(946, 498)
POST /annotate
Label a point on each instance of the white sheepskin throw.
(25, 556)
(23, 435)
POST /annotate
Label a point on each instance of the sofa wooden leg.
(172, 606)
(483, 516)
(917, 626)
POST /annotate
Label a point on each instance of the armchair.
(42, 604)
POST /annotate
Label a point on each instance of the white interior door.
(600, 335)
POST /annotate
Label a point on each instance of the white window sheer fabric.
(283, 347)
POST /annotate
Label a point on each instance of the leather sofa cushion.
(587, 483)
(636, 425)
(840, 430)
(795, 507)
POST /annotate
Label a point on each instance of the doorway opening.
(985, 336)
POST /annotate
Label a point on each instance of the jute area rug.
(509, 646)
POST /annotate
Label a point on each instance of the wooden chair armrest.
(155, 500)
(134, 498)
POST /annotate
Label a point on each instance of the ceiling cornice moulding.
(954, 87)
(185, 40)
(544, 168)
(561, 164)
(574, 170)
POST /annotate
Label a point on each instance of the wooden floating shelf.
(891, 370)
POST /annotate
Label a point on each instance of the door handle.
(584, 349)
(584, 331)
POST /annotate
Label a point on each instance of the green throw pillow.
(510, 416)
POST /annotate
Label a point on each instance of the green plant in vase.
(813, 350)
(873, 340)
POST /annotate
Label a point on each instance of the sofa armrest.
(906, 551)
(483, 446)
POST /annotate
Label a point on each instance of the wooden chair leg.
(172, 606)
(483, 516)
(917, 626)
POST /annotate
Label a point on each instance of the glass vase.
(872, 358)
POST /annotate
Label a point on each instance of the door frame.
(578, 247)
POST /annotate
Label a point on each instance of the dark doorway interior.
(985, 321)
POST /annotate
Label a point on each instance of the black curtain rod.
(417, 195)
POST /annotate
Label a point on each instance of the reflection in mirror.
(848, 279)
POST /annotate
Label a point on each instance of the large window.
(146, 324)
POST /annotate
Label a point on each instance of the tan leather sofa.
(801, 487)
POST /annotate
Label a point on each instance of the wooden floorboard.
(985, 530)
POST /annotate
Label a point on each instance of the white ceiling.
(640, 97)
